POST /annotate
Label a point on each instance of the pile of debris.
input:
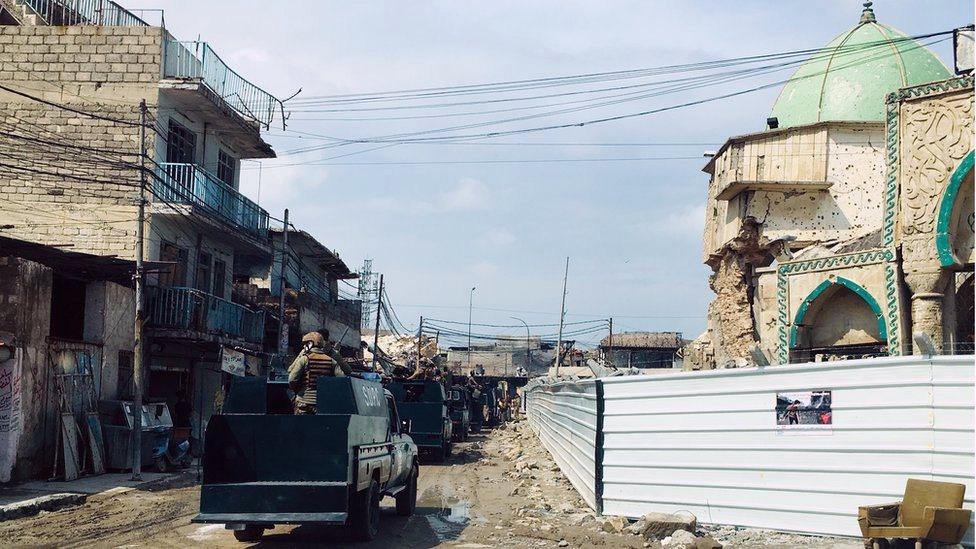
(399, 349)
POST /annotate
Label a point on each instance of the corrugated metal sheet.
(707, 442)
(566, 418)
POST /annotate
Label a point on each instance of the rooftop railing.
(191, 309)
(84, 12)
(191, 184)
(197, 60)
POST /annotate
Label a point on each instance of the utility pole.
(562, 317)
(376, 332)
(470, 307)
(137, 360)
(528, 345)
(420, 335)
(282, 340)
(610, 343)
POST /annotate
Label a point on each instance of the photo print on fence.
(804, 410)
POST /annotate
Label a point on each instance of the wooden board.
(69, 446)
(93, 431)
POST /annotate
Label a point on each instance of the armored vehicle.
(424, 405)
(263, 466)
(460, 410)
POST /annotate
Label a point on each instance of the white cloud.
(469, 194)
(685, 221)
(499, 237)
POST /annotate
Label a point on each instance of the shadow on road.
(430, 526)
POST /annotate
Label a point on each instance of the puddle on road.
(452, 513)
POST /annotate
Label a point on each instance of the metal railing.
(191, 184)
(197, 60)
(84, 12)
(192, 309)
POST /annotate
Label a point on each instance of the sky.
(632, 229)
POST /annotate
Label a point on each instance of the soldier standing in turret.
(313, 362)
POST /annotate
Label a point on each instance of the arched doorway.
(838, 320)
(955, 222)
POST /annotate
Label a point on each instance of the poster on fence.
(804, 410)
(10, 413)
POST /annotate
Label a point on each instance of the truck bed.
(275, 469)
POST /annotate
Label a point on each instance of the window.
(219, 276)
(203, 272)
(68, 308)
(181, 144)
(226, 165)
(174, 273)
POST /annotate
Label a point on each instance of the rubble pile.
(400, 349)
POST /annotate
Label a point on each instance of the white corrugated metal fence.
(566, 418)
(709, 443)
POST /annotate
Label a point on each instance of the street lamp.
(470, 307)
(528, 338)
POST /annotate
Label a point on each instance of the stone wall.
(56, 190)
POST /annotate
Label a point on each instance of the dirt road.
(501, 489)
(467, 502)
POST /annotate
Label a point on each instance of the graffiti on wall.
(10, 413)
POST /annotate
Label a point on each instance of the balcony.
(792, 160)
(190, 184)
(84, 12)
(190, 310)
(196, 61)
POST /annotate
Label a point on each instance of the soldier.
(312, 363)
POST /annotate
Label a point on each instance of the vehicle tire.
(406, 501)
(437, 455)
(249, 534)
(365, 517)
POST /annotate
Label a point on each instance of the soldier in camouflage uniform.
(315, 361)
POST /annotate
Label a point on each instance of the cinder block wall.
(54, 188)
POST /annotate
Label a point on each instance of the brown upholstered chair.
(930, 511)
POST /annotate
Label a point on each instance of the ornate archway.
(954, 224)
(838, 318)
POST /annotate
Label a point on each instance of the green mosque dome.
(849, 78)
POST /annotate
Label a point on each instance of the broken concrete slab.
(662, 525)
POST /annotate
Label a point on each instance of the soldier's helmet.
(315, 337)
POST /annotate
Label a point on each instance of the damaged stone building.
(846, 226)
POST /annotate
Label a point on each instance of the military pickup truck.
(460, 409)
(424, 405)
(263, 466)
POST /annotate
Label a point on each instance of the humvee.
(424, 405)
(460, 410)
(263, 466)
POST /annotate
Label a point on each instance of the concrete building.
(643, 350)
(63, 313)
(839, 230)
(313, 301)
(503, 357)
(75, 74)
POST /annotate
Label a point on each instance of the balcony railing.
(191, 184)
(84, 12)
(191, 309)
(197, 60)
